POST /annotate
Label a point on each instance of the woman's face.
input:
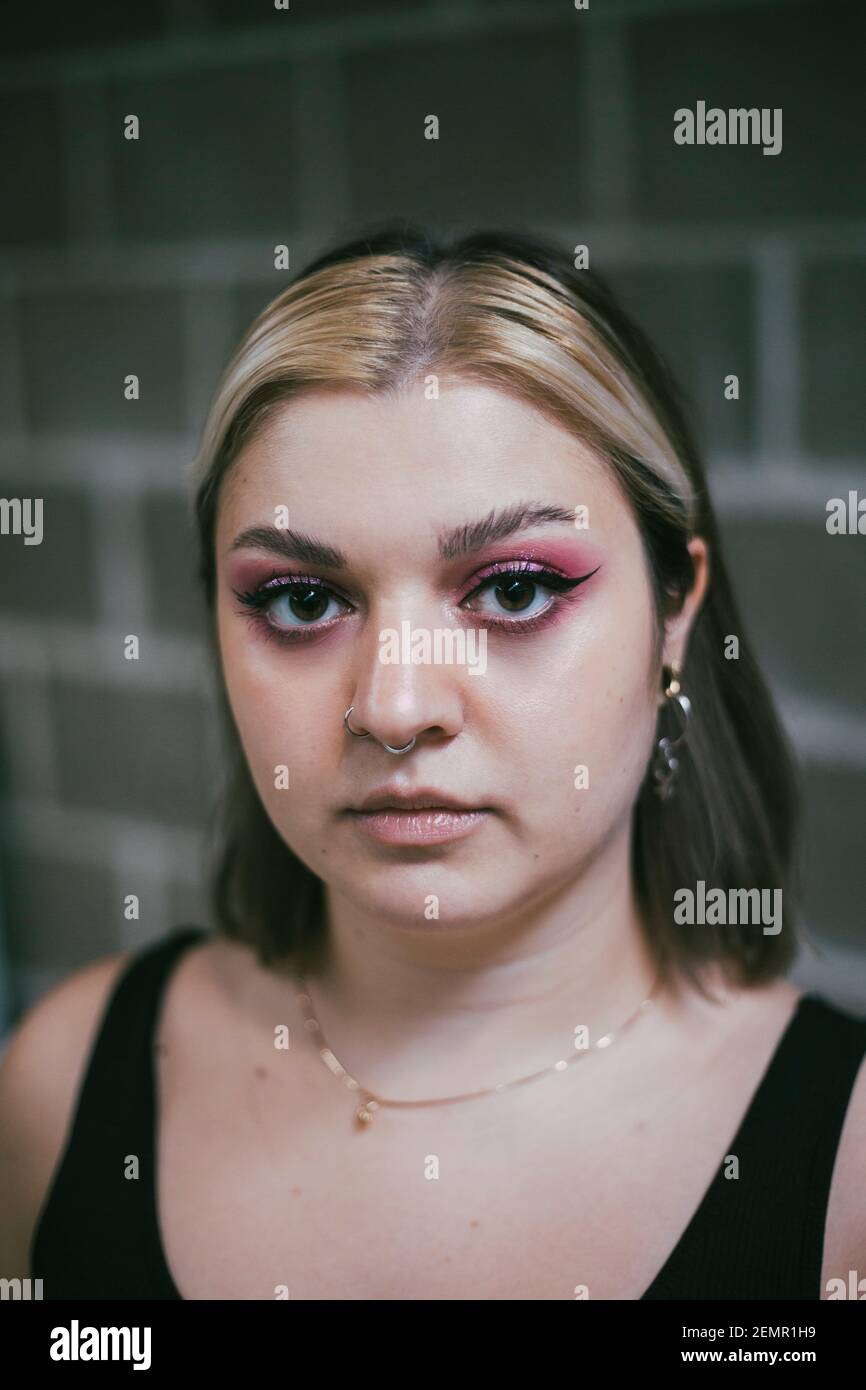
(537, 682)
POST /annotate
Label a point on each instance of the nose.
(398, 701)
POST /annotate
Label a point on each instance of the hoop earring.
(666, 765)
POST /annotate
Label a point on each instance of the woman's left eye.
(516, 594)
(515, 591)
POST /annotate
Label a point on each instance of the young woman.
(497, 1006)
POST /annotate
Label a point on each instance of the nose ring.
(366, 734)
(348, 727)
(405, 749)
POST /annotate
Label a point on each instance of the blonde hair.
(382, 322)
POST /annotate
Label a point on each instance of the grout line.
(138, 867)
(318, 103)
(104, 460)
(184, 16)
(13, 397)
(773, 489)
(207, 325)
(777, 350)
(94, 655)
(87, 184)
(80, 834)
(121, 573)
(605, 123)
(180, 262)
(283, 35)
(27, 737)
(825, 733)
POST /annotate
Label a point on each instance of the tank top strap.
(97, 1235)
(760, 1234)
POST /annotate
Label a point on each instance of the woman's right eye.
(304, 603)
(297, 607)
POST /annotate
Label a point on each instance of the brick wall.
(261, 127)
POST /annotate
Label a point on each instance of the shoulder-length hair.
(511, 310)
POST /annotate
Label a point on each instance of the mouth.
(426, 816)
(419, 799)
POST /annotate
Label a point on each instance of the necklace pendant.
(364, 1113)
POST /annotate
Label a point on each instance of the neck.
(440, 1009)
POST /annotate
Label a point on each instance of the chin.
(424, 898)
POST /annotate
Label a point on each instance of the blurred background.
(302, 126)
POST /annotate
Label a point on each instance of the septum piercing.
(366, 734)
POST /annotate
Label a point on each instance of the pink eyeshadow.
(572, 557)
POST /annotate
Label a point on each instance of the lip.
(413, 799)
(415, 816)
(429, 826)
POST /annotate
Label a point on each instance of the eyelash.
(254, 602)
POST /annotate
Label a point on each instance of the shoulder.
(754, 1021)
(41, 1070)
(221, 981)
(845, 1232)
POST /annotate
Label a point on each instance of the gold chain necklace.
(369, 1103)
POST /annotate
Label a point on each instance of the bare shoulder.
(221, 982)
(41, 1071)
(845, 1233)
(737, 1021)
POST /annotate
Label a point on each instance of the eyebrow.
(452, 543)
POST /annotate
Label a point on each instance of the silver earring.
(365, 734)
(666, 765)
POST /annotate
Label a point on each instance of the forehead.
(334, 456)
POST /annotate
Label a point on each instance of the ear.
(678, 627)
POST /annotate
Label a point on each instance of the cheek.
(265, 702)
(273, 723)
(283, 761)
(619, 714)
(589, 701)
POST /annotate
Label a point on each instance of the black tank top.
(759, 1236)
